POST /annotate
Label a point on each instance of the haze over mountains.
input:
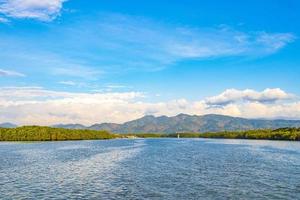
(182, 123)
(7, 125)
(187, 123)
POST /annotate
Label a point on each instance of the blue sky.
(162, 53)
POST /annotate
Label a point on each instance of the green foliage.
(38, 133)
(278, 134)
(267, 134)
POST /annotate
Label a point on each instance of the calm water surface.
(150, 169)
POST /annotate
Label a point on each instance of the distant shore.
(41, 133)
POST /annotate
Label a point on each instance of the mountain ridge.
(7, 125)
(187, 123)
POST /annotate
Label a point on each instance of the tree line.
(41, 133)
(292, 134)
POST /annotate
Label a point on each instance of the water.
(150, 169)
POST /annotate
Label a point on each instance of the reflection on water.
(150, 169)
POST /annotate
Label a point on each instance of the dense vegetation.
(38, 133)
(277, 134)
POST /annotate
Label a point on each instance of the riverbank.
(290, 134)
(40, 133)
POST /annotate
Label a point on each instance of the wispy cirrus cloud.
(140, 43)
(110, 44)
(226, 42)
(69, 83)
(9, 73)
(44, 10)
(274, 42)
(77, 84)
(78, 71)
(36, 105)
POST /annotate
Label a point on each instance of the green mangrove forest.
(292, 134)
(40, 133)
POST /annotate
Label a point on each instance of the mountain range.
(7, 125)
(187, 123)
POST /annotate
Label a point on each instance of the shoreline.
(40, 134)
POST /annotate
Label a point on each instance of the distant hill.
(7, 125)
(187, 123)
(69, 126)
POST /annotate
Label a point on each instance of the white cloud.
(69, 83)
(44, 10)
(233, 95)
(38, 94)
(260, 110)
(10, 73)
(35, 105)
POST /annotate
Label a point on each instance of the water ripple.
(150, 169)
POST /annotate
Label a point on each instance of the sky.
(73, 61)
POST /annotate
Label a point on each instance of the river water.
(150, 169)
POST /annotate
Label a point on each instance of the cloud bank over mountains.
(35, 105)
(88, 50)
